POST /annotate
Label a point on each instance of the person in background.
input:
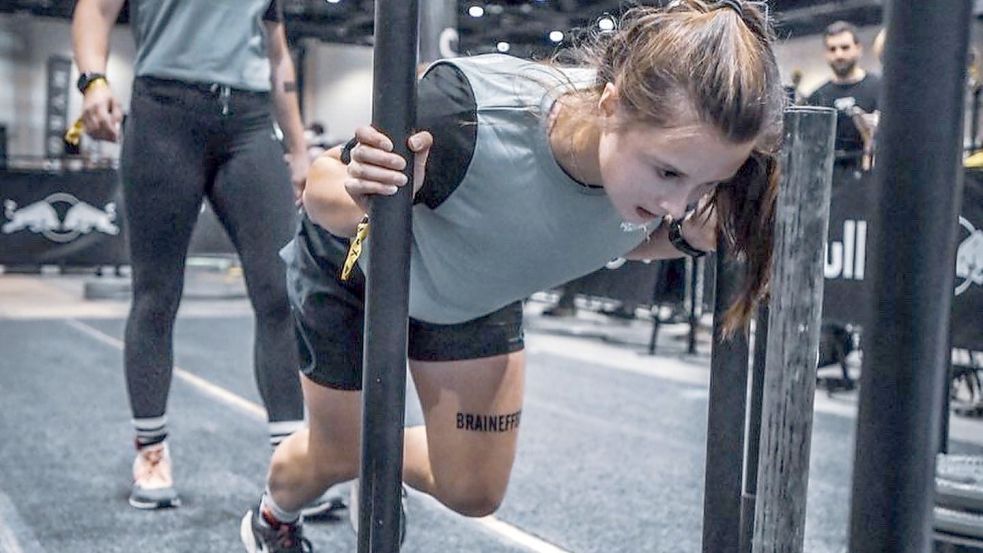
(853, 92)
(207, 76)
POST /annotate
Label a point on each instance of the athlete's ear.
(610, 101)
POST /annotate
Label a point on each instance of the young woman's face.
(649, 172)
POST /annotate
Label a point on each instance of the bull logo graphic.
(84, 218)
(37, 217)
(969, 258)
(41, 217)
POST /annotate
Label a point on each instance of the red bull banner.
(75, 218)
(967, 304)
(847, 251)
(61, 218)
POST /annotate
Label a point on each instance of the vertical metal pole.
(654, 337)
(974, 122)
(802, 223)
(749, 497)
(725, 419)
(694, 322)
(386, 304)
(918, 192)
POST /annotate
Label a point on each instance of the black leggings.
(183, 143)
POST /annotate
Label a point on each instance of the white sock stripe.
(151, 433)
(285, 428)
(151, 424)
(278, 513)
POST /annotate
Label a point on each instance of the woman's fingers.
(376, 169)
(371, 155)
(369, 136)
(367, 172)
(360, 190)
(420, 142)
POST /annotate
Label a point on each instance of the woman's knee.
(269, 300)
(290, 464)
(330, 472)
(156, 303)
(471, 496)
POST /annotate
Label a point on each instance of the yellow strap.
(355, 250)
(974, 161)
(74, 134)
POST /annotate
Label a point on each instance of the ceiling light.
(556, 36)
(606, 24)
(503, 46)
(476, 11)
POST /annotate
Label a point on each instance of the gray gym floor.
(611, 455)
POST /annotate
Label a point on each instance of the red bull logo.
(42, 217)
(969, 257)
(847, 259)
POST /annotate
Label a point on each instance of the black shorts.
(329, 317)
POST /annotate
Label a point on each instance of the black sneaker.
(260, 537)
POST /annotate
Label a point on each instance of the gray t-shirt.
(497, 218)
(204, 41)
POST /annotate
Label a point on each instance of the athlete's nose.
(675, 204)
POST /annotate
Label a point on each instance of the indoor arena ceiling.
(521, 22)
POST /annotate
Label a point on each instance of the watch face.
(85, 79)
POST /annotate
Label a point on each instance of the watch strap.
(86, 79)
(680, 243)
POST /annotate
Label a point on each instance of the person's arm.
(285, 104)
(92, 23)
(337, 195)
(325, 199)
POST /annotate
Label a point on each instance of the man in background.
(852, 91)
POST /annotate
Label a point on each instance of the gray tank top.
(203, 41)
(516, 223)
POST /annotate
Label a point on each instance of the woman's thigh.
(472, 410)
(335, 426)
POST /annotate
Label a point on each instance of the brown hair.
(715, 59)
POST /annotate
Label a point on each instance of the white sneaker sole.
(246, 533)
(154, 505)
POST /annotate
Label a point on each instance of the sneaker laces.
(153, 467)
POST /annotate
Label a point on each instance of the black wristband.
(85, 79)
(680, 243)
(346, 152)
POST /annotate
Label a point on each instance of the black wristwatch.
(85, 79)
(680, 243)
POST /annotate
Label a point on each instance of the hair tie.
(732, 4)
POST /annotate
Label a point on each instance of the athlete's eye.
(666, 174)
